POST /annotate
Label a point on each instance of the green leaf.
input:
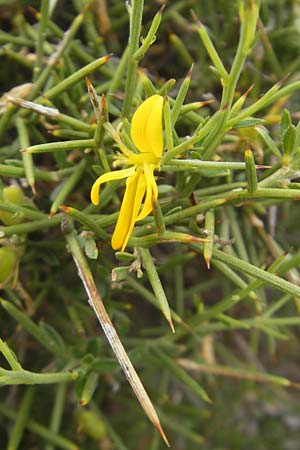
(266, 138)
(54, 337)
(179, 373)
(125, 256)
(250, 122)
(285, 122)
(90, 248)
(89, 388)
(289, 140)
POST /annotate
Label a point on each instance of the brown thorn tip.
(280, 82)
(85, 8)
(88, 83)
(245, 94)
(162, 433)
(65, 209)
(23, 150)
(33, 189)
(34, 11)
(170, 321)
(161, 10)
(207, 102)
(196, 18)
(207, 261)
(189, 74)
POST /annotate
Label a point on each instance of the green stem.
(156, 284)
(56, 56)
(58, 146)
(35, 330)
(11, 377)
(41, 38)
(233, 196)
(256, 272)
(133, 44)
(6, 38)
(249, 17)
(150, 297)
(195, 164)
(179, 373)
(19, 172)
(40, 430)
(28, 213)
(75, 77)
(22, 416)
(86, 220)
(57, 412)
(29, 227)
(68, 186)
(9, 356)
(116, 80)
(26, 157)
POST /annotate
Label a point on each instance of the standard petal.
(146, 126)
(109, 176)
(151, 190)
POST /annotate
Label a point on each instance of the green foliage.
(218, 259)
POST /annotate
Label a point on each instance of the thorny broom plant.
(205, 225)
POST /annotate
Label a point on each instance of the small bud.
(250, 170)
(147, 84)
(89, 388)
(289, 144)
(91, 424)
(12, 194)
(210, 227)
(8, 262)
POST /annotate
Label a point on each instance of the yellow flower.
(146, 134)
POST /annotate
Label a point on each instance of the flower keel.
(131, 204)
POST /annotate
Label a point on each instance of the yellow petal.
(146, 126)
(109, 176)
(125, 214)
(131, 204)
(151, 190)
(139, 195)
